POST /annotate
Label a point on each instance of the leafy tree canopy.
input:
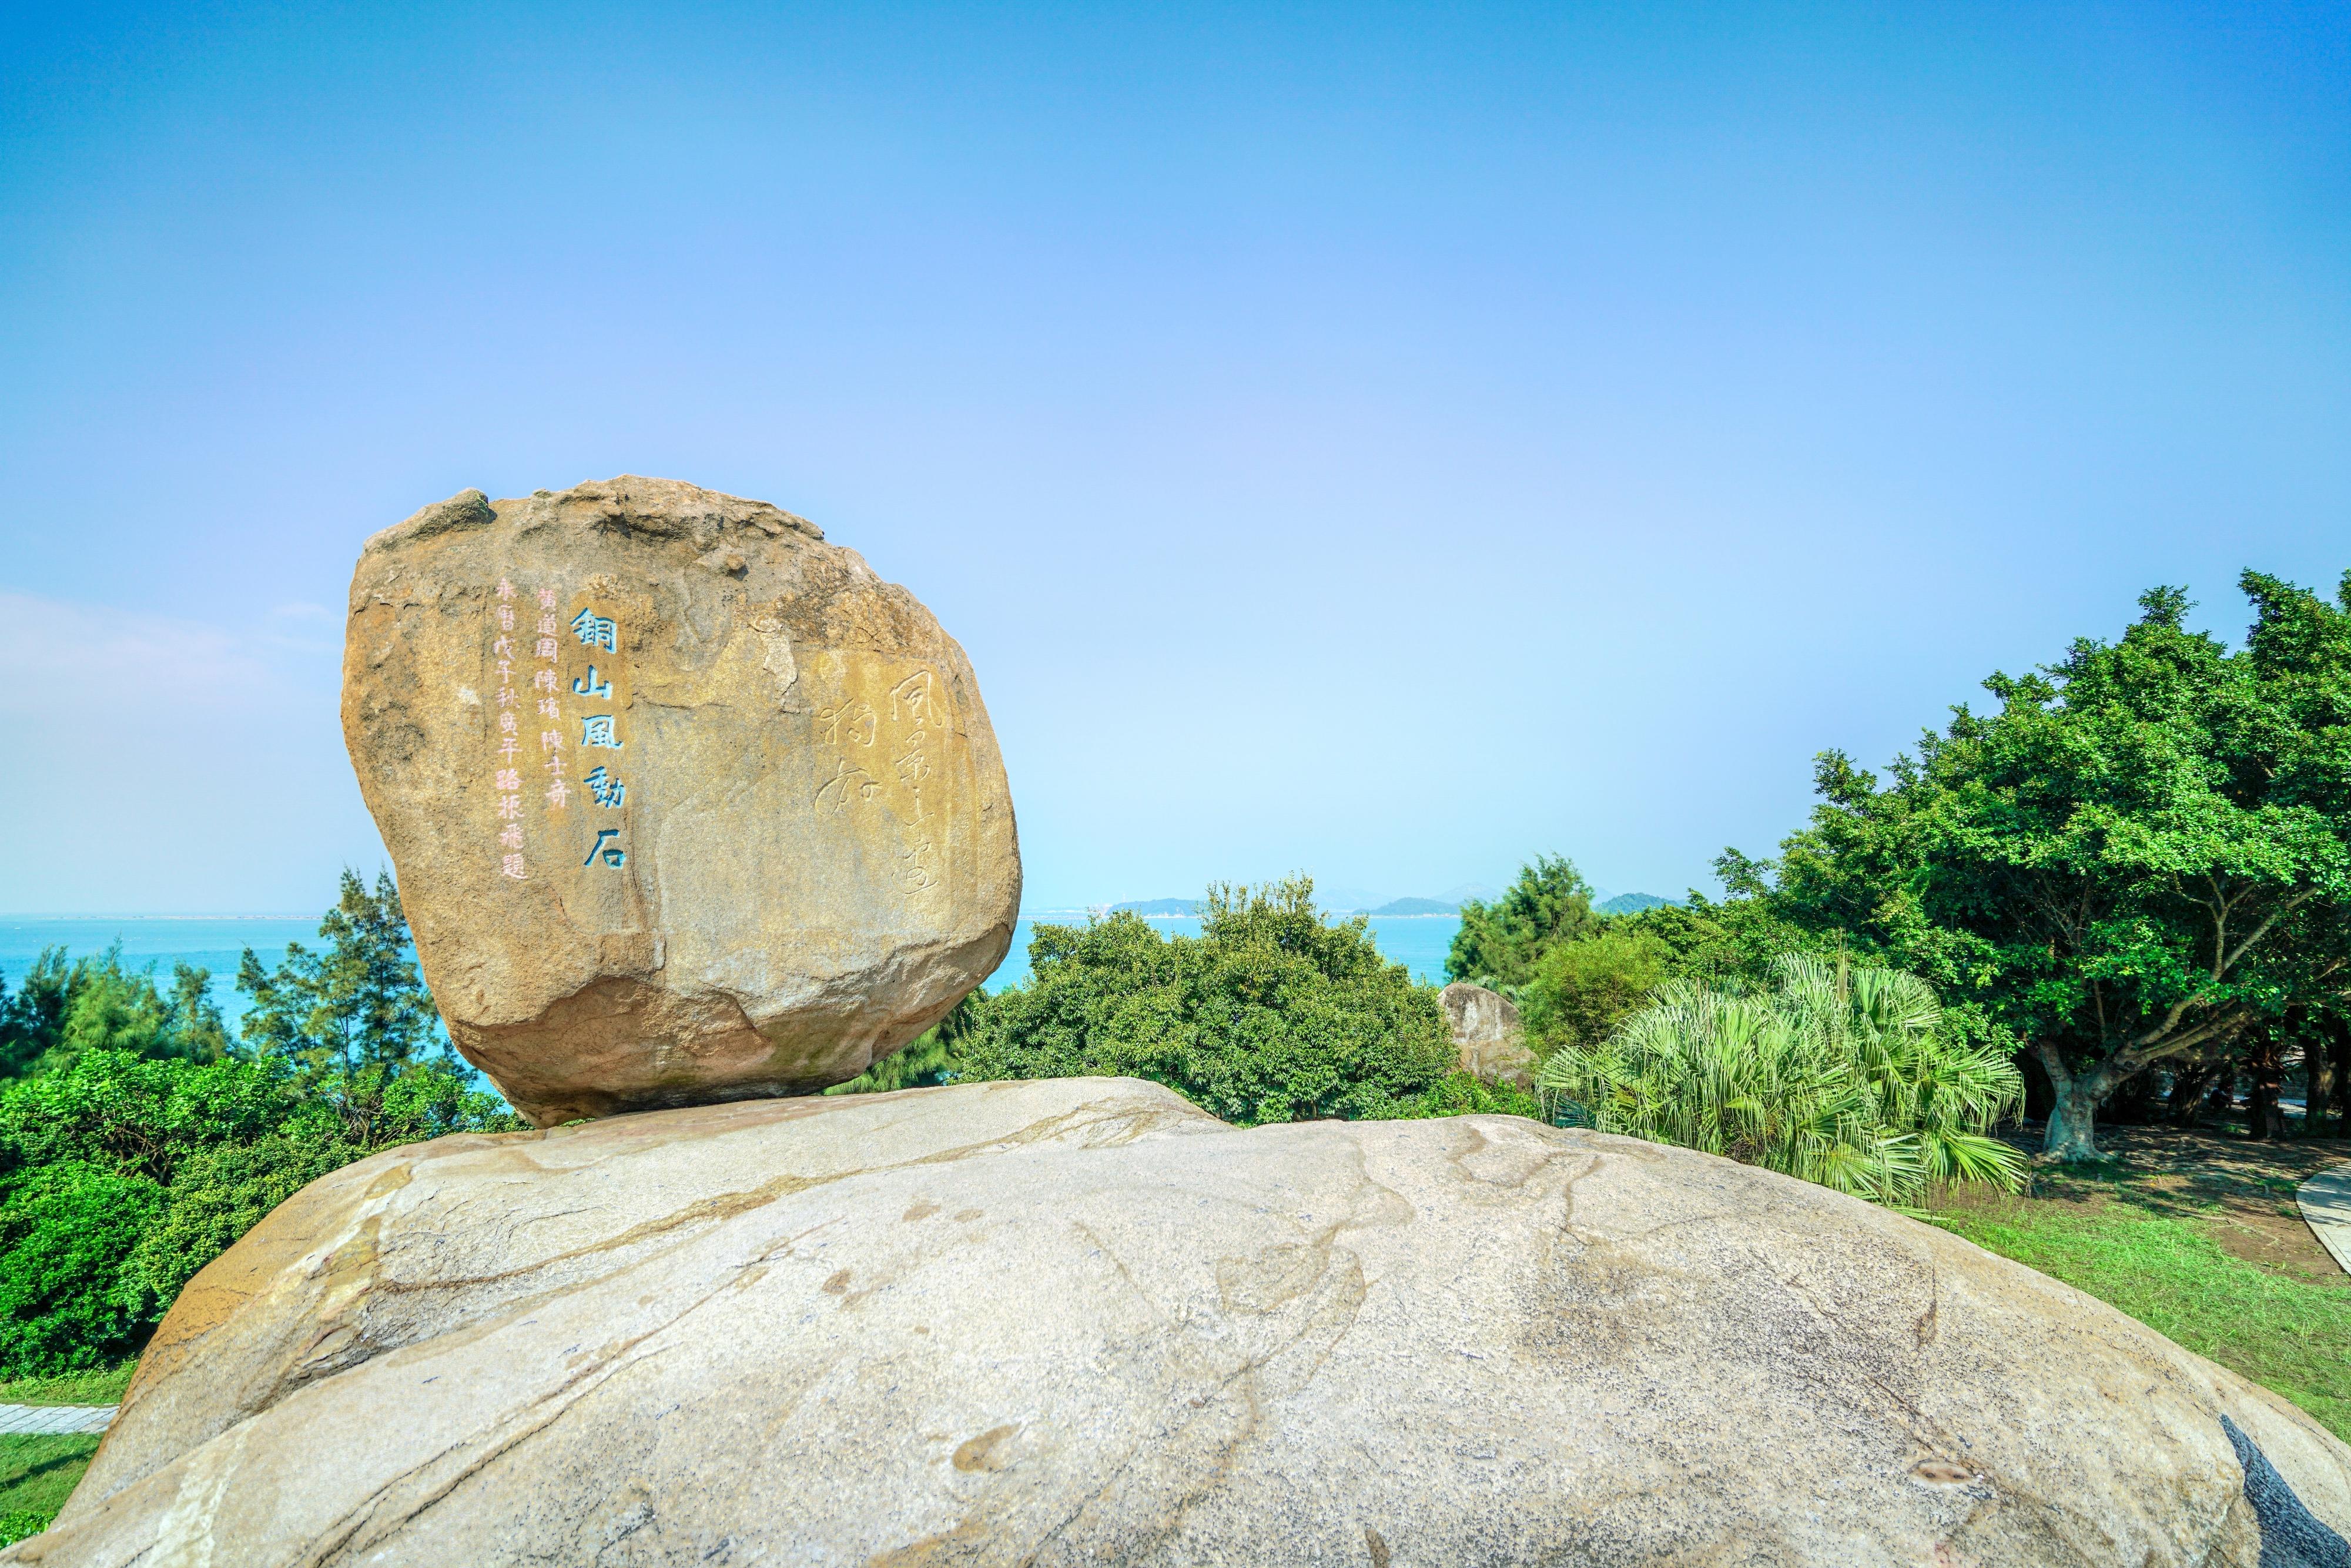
(1499, 943)
(97, 1003)
(1575, 974)
(2144, 850)
(1272, 1014)
(136, 1144)
(359, 1003)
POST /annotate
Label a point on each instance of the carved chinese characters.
(507, 776)
(881, 765)
(600, 732)
(769, 837)
(521, 711)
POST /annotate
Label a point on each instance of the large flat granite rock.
(1079, 1321)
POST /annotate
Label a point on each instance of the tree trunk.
(2072, 1130)
(2073, 1124)
(2264, 1076)
(2318, 1073)
(2189, 1085)
(2340, 1031)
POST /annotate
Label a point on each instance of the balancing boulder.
(685, 803)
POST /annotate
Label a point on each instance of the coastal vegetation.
(2137, 866)
(1843, 1074)
(1275, 1012)
(138, 1140)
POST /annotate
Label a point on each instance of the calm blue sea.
(1418, 942)
(209, 944)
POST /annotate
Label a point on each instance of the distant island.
(1414, 906)
(1189, 908)
(1632, 903)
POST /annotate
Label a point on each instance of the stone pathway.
(2326, 1201)
(40, 1420)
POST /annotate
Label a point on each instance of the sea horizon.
(217, 943)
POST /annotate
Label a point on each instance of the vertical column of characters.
(910, 706)
(601, 732)
(506, 775)
(545, 649)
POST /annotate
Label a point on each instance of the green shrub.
(137, 1143)
(930, 1059)
(70, 1298)
(1272, 1014)
(121, 1175)
(1499, 943)
(220, 1194)
(19, 1522)
(1845, 1075)
(1466, 1095)
(1579, 990)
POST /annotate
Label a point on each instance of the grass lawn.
(36, 1475)
(2197, 1236)
(73, 1389)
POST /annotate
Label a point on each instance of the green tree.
(352, 1020)
(98, 1003)
(120, 1175)
(1846, 1075)
(1587, 973)
(89, 1155)
(142, 1149)
(32, 1019)
(1272, 1014)
(2144, 852)
(932, 1057)
(1580, 990)
(1499, 943)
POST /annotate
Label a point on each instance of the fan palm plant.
(1844, 1074)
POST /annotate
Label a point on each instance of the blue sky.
(1381, 441)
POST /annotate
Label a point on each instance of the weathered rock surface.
(685, 803)
(1080, 1321)
(1491, 1042)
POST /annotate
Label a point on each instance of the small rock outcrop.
(1081, 1321)
(1487, 1035)
(685, 803)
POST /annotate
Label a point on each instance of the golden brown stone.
(685, 803)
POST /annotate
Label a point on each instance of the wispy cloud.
(169, 761)
(89, 661)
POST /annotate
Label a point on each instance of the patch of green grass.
(36, 1476)
(72, 1389)
(2288, 1334)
